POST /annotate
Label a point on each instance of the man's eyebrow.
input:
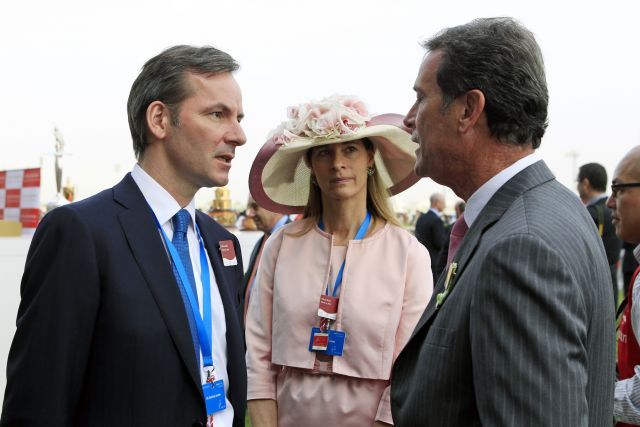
(218, 106)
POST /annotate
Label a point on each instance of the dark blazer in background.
(430, 232)
(612, 244)
(252, 262)
(601, 214)
(526, 334)
(242, 289)
(102, 334)
(629, 264)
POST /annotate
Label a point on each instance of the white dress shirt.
(596, 199)
(164, 206)
(482, 195)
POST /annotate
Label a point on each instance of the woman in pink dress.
(339, 292)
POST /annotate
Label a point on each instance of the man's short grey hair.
(501, 58)
(163, 79)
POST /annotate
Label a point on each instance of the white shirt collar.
(596, 199)
(482, 195)
(435, 211)
(163, 205)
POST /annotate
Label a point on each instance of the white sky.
(72, 63)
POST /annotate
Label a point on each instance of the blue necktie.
(180, 223)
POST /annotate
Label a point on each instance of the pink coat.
(386, 285)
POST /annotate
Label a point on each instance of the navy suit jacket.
(431, 233)
(612, 244)
(102, 334)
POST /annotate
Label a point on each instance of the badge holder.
(213, 392)
(328, 342)
(324, 340)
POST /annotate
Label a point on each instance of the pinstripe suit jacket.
(526, 334)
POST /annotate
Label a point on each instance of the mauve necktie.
(180, 223)
(458, 231)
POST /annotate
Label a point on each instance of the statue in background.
(221, 208)
(58, 156)
(59, 198)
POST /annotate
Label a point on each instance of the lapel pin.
(448, 284)
(228, 253)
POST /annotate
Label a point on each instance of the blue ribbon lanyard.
(202, 325)
(359, 235)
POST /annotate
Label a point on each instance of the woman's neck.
(342, 219)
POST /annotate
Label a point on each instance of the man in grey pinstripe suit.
(520, 330)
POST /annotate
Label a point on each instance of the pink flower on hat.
(325, 119)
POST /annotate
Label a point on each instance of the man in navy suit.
(592, 187)
(129, 312)
(268, 222)
(431, 233)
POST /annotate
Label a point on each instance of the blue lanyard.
(202, 325)
(359, 235)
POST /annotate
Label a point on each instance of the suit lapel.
(213, 249)
(148, 250)
(525, 180)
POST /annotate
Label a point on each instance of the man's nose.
(410, 119)
(236, 135)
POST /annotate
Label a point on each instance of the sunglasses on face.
(617, 188)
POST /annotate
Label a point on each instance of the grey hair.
(501, 58)
(163, 79)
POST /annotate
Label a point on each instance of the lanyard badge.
(212, 390)
(323, 339)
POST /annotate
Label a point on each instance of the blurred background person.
(430, 231)
(268, 222)
(624, 203)
(339, 292)
(592, 187)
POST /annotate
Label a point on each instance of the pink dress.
(382, 297)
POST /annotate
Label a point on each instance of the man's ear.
(158, 119)
(473, 106)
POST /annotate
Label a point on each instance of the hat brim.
(279, 178)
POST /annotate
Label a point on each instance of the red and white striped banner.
(20, 197)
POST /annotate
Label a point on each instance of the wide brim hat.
(279, 179)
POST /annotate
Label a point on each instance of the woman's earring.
(370, 171)
(313, 180)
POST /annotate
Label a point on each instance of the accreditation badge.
(328, 307)
(335, 346)
(214, 397)
(213, 391)
(319, 340)
(228, 252)
(329, 342)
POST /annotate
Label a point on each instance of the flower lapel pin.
(448, 284)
